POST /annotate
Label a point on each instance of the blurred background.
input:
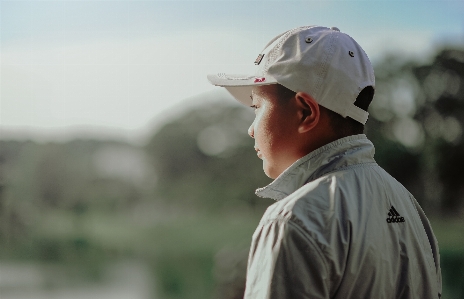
(124, 174)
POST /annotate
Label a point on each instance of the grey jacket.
(342, 227)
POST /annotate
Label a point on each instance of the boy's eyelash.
(254, 106)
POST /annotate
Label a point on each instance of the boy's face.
(274, 130)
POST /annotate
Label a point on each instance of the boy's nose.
(251, 131)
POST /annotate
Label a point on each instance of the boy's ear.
(308, 112)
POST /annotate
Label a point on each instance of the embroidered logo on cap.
(258, 80)
(259, 58)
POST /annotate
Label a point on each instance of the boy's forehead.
(262, 90)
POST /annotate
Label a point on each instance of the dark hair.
(341, 126)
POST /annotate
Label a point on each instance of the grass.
(449, 233)
(181, 249)
(450, 236)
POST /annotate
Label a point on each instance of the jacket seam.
(431, 265)
(314, 244)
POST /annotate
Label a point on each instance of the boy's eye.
(254, 107)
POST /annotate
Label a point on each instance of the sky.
(120, 69)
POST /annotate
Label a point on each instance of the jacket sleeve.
(285, 262)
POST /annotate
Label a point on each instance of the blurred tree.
(57, 176)
(416, 124)
(442, 116)
(12, 220)
(205, 159)
(52, 175)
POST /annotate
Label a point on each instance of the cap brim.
(240, 86)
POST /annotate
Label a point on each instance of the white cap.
(325, 63)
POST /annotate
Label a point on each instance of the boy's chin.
(269, 170)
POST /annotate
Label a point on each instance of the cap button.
(335, 28)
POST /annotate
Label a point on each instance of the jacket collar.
(344, 152)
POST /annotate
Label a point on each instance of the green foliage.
(417, 126)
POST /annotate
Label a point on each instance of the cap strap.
(357, 114)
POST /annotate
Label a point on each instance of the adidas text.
(395, 219)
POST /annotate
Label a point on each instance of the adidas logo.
(394, 216)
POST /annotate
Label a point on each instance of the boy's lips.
(258, 152)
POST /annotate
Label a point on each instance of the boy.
(341, 227)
